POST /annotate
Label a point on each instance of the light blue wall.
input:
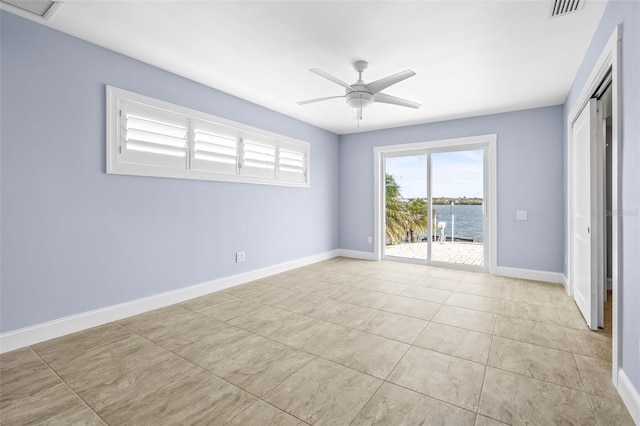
(76, 239)
(626, 13)
(530, 168)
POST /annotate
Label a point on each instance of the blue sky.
(455, 174)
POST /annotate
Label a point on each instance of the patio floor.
(449, 252)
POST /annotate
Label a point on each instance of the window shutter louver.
(258, 158)
(292, 164)
(153, 137)
(215, 148)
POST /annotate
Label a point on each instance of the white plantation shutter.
(153, 137)
(258, 157)
(215, 148)
(149, 137)
(292, 162)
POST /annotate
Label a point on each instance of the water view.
(468, 221)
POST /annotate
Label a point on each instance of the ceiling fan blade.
(318, 100)
(388, 99)
(383, 83)
(330, 78)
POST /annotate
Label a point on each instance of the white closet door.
(584, 271)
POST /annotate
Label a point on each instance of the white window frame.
(116, 97)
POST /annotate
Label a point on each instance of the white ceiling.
(471, 57)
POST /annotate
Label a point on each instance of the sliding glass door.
(434, 206)
(457, 193)
(406, 207)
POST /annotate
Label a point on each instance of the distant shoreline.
(458, 204)
(463, 201)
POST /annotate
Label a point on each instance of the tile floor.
(336, 343)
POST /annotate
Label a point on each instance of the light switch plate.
(521, 215)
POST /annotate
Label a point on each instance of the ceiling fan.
(360, 95)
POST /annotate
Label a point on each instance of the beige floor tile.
(591, 343)
(519, 400)
(22, 373)
(321, 335)
(533, 361)
(281, 280)
(611, 412)
(156, 320)
(426, 293)
(399, 276)
(262, 317)
(364, 352)
(393, 326)
(369, 299)
(447, 274)
(486, 421)
(453, 380)
(285, 327)
(206, 301)
(135, 379)
(440, 283)
(277, 294)
(321, 289)
(480, 278)
(346, 278)
(341, 313)
(471, 301)
(30, 393)
(596, 376)
(111, 352)
(554, 297)
(254, 364)
(393, 405)
(198, 397)
(224, 310)
(479, 289)
(455, 341)
(566, 302)
(466, 318)
(541, 313)
(412, 307)
(535, 332)
(374, 284)
(263, 414)
(301, 303)
(253, 291)
(164, 327)
(324, 393)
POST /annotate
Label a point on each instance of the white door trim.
(609, 59)
(482, 141)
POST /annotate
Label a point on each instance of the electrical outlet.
(240, 257)
(521, 215)
(370, 240)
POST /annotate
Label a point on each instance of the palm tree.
(405, 219)
(397, 216)
(418, 208)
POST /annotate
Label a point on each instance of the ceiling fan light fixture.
(359, 100)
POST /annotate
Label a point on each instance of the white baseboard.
(565, 283)
(629, 395)
(356, 254)
(20, 338)
(530, 274)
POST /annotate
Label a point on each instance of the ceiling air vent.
(31, 8)
(565, 7)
